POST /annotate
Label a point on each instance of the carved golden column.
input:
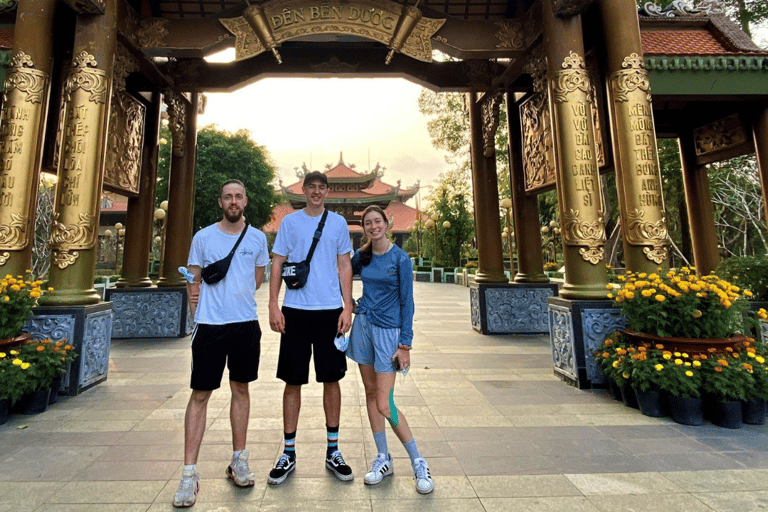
(181, 187)
(525, 208)
(483, 122)
(701, 219)
(87, 93)
(578, 184)
(23, 116)
(760, 135)
(140, 216)
(638, 177)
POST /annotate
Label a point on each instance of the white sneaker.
(380, 467)
(186, 494)
(424, 483)
(239, 471)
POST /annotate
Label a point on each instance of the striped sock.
(290, 445)
(333, 440)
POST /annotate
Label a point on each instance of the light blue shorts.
(373, 345)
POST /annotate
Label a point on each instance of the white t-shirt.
(231, 299)
(294, 238)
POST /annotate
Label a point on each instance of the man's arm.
(276, 318)
(193, 288)
(260, 276)
(345, 278)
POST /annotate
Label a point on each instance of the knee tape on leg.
(393, 419)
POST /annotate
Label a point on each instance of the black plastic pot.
(651, 403)
(686, 411)
(753, 411)
(727, 414)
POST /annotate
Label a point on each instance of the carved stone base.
(510, 308)
(150, 312)
(577, 328)
(88, 329)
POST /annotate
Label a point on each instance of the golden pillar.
(87, 93)
(181, 187)
(760, 135)
(23, 116)
(525, 208)
(638, 177)
(578, 184)
(701, 219)
(138, 224)
(483, 121)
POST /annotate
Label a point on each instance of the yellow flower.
(678, 362)
(667, 356)
(34, 294)
(6, 298)
(687, 363)
(659, 367)
(747, 293)
(697, 363)
(677, 354)
(50, 289)
(630, 295)
(660, 298)
(14, 352)
(615, 364)
(647, 293)
(689, 373)
(642, 275)
(24, 366)
(625, 375)
(15, 287)
(760, 359)
(696, 314)
(17, 361)
(610, 295)
(2, 355)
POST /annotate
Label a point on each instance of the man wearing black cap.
(310, 318)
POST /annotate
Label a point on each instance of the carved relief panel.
(724, 138)
(126, 131)
(538, 150)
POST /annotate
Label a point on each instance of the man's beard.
(233, 218)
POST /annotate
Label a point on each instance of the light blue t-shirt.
(294, 238)
(387, 298)
(231, 299)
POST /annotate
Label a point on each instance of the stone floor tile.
(735, 501)
(109, 492)
(216, 490)
(28, 494)
(128, 470)
(48, 463)
(84, 507)
(545, 504)
(623, 483)
(650, 503)
(522, 486)
(319, 506)
(422, 504)
(716, 481)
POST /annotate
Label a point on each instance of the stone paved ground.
(499, 430)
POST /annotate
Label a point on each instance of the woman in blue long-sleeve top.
(380, 341)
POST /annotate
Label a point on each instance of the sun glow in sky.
(312, 121)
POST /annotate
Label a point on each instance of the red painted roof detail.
(341, 171)
(697, 41)
(280, 211)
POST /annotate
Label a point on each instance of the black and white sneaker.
(380, 467)
(285, 465)
(336, 463)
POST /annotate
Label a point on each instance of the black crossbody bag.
(295, 274)
(216, 271)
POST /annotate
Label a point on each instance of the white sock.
(190, 467)
(236, 454)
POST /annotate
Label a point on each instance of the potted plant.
(15, 380)
(18, 295)
(726, 381)
(753, 407)
(610, 358)
(48, 363)
(681, 310)
(679, 376)
(646, 382)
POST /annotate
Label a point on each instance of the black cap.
(315, 176)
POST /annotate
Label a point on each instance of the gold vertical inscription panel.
(23, 100)
(646, 224)
(77, 207)
(583, 222)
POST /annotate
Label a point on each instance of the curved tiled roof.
(682, 42)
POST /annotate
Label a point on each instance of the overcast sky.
(312, 121)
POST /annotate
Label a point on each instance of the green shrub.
(748, 272)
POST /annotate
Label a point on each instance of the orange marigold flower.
(40, 348)
(718, 369)
(722, 362)
(728, 349)
(606, 355)
(660, 346)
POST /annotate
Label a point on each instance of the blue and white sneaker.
(380, 467)
(424, 483)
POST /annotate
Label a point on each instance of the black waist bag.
(216, 271)
(295, 275)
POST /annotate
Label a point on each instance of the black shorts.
(236, 345)
(308, 331)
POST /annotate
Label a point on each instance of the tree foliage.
(222, 155)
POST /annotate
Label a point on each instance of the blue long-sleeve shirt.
(387, 298)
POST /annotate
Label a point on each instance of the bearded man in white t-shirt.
(310, 319)
(227, 333)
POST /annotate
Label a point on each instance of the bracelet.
(404, 347)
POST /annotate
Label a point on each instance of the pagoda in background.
(350, 193)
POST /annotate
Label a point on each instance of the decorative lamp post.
(509, 232)
(119, 231)
(430, 224)
(160, 215)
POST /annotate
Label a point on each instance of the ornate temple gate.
(83, 98)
